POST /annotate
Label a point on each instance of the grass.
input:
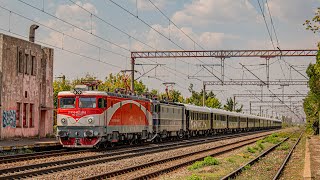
(284, 146)
(251, 150)
(273, 138)
(247, 167)
(208, 161)
(260, 145)
(215, 168)
(194, 177)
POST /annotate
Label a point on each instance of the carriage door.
(187, 119)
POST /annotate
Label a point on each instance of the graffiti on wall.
(9, 118)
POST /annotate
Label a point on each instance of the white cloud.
(292, 10)
(75, 16)
(216, 11)
(208, 40)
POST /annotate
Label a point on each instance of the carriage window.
(67, 103)
(102, 103)
(87, 103)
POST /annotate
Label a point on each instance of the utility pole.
(204, 96)
(132, 74)
(234, 103)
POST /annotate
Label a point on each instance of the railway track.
(57, 166)
(38, 155)
(238, 171)
(169, 164)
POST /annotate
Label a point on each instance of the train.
(94, 119)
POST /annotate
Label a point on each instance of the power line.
(274, 29)
(62, 33)
(175, 25)
(270, 35)
(63, 49)
(75, 26)
(113, 26)
(144, 22)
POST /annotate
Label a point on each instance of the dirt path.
(314, 145)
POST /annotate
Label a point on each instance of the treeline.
(311, 103)
(119, 81)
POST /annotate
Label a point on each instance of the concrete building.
(26, 92)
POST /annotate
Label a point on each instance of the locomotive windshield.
(87, 102)
(69, 102)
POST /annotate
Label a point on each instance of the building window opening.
(33, 66)
(20, 62)
(24, 114)
(31, 116)
(26, 94)
(26, 64)
(18, 115)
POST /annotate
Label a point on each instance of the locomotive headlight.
(96, 133)
(63, 120)
(90, 120)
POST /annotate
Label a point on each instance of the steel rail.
(146, 165)
(236, 172)
(38, 155)
(56, 166)
(286, 159)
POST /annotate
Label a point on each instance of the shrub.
(273, 138)
(251, 150)
(231, 160)
(260, 145)
(196, 165)
(284, 146)
(209, 161)
(247, 167)
(194, 177)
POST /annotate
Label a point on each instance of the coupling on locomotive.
(96, 118)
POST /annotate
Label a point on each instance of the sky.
(97, 37)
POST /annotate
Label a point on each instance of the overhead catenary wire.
(63, 49)
(113, 26)
(171, 22)
(150, 26)
(62, 33)
(75, 26)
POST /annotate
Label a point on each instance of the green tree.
(197, 98)
(230, 104)
(59, 85)
(313, 24)
(113, 82)
(311, 103)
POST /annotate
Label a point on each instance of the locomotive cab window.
(87, 102)
(102, 103)
(69, 102)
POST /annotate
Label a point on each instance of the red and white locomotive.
(91, 118)
(96, 118)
